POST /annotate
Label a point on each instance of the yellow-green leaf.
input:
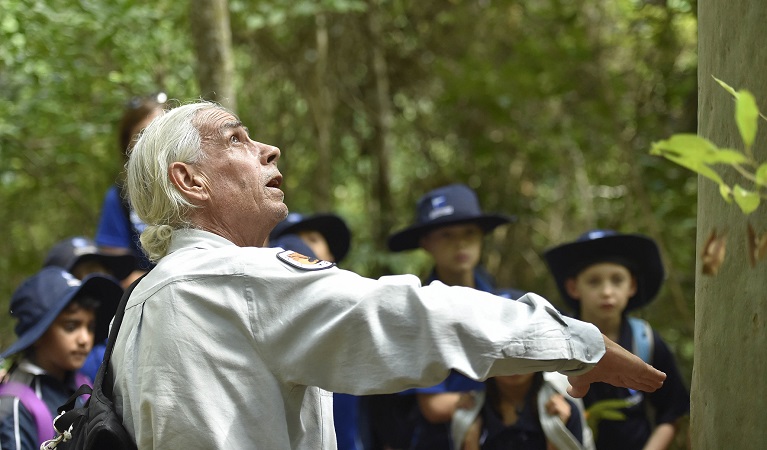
(726, 192)
(747, 200)
(726, 87)
(746, 116)
(761, 175)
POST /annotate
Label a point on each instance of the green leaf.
(761, 175)
(747, 200)
(694, 148)
(726, 87)
(613, 415)
(746, 116)
(726, 192)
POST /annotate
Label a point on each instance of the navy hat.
(638, 253)
(330, 226)
(72, 251)
(447, 205)
(293, 242)
(42, 297)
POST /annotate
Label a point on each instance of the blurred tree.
(730, 330)
(212, 37)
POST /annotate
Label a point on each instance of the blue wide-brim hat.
(293, 242)
(72, 251)
(448, 205)
(42, 297)
(331, 226)
(637, 252)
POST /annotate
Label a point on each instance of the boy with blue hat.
(58, 318)
(451, 226)
(326, 234)
(602, 276)
(80, 256)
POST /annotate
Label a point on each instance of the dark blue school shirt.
(431, 436)
(527, 432)
(667, 404)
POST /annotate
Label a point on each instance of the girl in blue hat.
(602, 276)
(58, 318)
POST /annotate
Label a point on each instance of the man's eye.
(234, 139)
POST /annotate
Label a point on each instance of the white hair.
(171, 137)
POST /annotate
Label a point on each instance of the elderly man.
(226, 344)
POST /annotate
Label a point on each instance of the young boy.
(451, 227)
(81, 257)
(326, 234)
(58, 318)
(602, 276)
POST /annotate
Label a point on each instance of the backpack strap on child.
(34, 404)
(644, 341)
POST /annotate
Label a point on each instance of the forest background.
(547, 108)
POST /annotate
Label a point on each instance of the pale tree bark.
(322, 103)
(382, 125)
(729, 386)
(212, 37)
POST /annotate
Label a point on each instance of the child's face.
(67, 342)
(455, 248)
(316, 241)
(603, 289)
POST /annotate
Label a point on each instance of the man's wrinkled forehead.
(215, 122)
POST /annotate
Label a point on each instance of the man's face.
(67, 342)
(455, 248)
(241, 178)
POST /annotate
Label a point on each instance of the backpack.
(96, 425)
(644, 341)
(41, 415)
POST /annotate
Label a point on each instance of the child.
(451, 227)
(326, 234)
(602, 276)
(529, 411)
(81, 257)
(58, 318)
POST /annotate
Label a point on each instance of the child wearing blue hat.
(450, 225)
(81, 257)
(602, 276)
(58, 319)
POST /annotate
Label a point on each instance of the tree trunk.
(212, 37)
(382, 124)
(729, 386)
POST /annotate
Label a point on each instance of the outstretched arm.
(618, 367)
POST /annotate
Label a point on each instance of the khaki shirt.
(227, 347)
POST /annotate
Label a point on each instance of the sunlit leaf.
(713, 252)
(726, 86)
(756, 245)
(747, 200)
(746, 116)
(761, 175)
(726, 192)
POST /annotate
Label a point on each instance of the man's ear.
(572, 288)
(189, 182)
(633, 288)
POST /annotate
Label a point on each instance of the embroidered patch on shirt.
(304, 262)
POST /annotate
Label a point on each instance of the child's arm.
(661, 437)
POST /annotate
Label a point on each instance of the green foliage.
(546, 108)
(701, 156)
